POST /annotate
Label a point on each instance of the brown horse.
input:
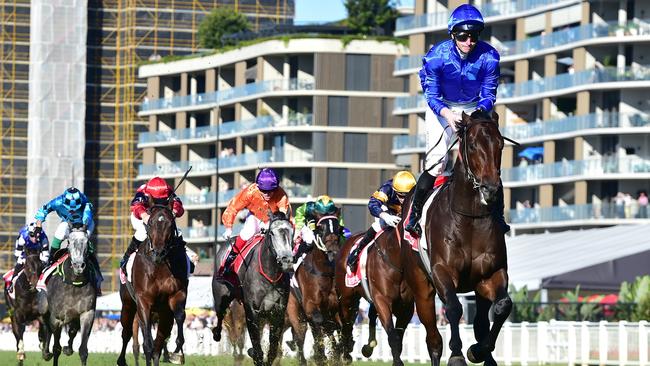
(24, 309)
(389, 294)
(235, 325)
(159, 285)
(467, 250)
(318, 305)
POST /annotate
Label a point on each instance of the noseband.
(319, 240)
(168, 246)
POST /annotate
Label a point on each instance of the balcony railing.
(225, 129)
(592, 211)
(409, 103)
(564, 37)
(576, 123)
(439, 19)
(223, 96)
(564, 169)
(194, 233)
(208, 166)
(408, 142)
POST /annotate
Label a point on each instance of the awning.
(598, 259)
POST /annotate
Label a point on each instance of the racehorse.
(235, 325)
(159, 284)
(318, 305)
(467, 250)
(389, 294)
(264, 279)
(24, 308)
(136, 343)
(71, 298)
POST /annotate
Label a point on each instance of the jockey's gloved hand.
(227, 234)
(37, 230)
(389, 219)
(451, 117)
(307, 235)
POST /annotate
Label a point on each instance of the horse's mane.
(279, 215)
(480, 114)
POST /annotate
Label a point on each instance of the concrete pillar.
(184, 85)
(210, 80)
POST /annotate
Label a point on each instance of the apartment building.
(318, 110)
(573, 92)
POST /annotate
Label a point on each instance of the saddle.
(60, 257)
(236, 265)
(11, 284)
(353, 279)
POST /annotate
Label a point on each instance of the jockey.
(306, 222)
(386, 206)
(458, 75)
(155, 192)
(74, 209)
(259, 198)
(28, 239)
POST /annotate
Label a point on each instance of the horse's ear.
(465, 118)
(495, 117)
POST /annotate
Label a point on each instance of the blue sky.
(316, 11)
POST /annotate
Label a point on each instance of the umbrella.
(532, 153)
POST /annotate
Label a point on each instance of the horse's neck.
(464, 197)
(268, 261)
(319, 260)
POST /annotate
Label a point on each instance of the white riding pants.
(438, 135)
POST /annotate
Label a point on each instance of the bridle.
(168, 246)
(471, 177)
(318, 241)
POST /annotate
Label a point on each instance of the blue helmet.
(465, 18)
(72, 199)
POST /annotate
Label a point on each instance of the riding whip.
(182, 179)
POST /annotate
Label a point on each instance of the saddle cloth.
(243, 254)
(7, 277)
(353, 279)
(124, 277)
(414, 242)
(41, 285)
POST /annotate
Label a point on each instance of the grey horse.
(70, 299)
(264, 279)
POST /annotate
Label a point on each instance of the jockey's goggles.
(464, 36)
(267, 192)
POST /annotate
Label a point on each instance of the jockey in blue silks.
(28, 239)
(458, 75)
(74, 208)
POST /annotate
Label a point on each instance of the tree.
(364, 16)
(221, 21)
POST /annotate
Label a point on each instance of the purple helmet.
(267, 179)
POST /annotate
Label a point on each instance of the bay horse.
(159, 285)
(235, 325)
(318, 304)
(24, 308)
(467, 250)
(389, 294)
(71, 298)
(264, 288)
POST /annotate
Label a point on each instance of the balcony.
(555, 41)
(208, 134)
(573, 126)
(221, 97)
(492, 12)
(194, 234)
(604, 78)
(409, 144)
(603, 213)
(568, 171)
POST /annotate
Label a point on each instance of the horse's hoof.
(216, 334)
(398, 363)
(347, 359)
(366, 351)
(251, 353)
(47, 356)
(475, 354)
(177, 358)
(457, 361)
(67, 351)
(292, 345)
(20, 356)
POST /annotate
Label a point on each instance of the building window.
(357, 72)
(355, 147)
(337, 182)
(337, 111)
(320, 146)
(355, 217)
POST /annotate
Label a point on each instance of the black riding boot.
(228, 264)
(499, 213)
(133, 246)
(17, 269)
(422, 188)
(353, 257)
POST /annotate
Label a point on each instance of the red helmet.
(158, 188)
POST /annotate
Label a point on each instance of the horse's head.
(328, 234)
(480, 148)
(280, 233)
(33, 267)
(161, 229)
(78, 248)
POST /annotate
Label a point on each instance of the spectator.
(643, 205)
(619, 201)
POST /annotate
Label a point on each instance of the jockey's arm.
(45, 210)
(20, 247)
(377, 200)
(88, 218)
(236, 204)
(488, 92)
(431, 83)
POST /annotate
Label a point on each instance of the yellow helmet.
(403, 181)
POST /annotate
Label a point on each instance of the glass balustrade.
(409, 142)
(225, 129)
(226, 95)
(439, 19)
(592, 211)
(563, 169)
(410, 102)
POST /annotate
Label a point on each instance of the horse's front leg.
(254, 326)
(444, 280)
(177, 304)
(73, 328)
(298, 328)
(18, 328)
(489, 291)
(56, 348)
(222, 299)
(86, 319)
(367, 349)
(276, 329)
(129, 329)
(165, 324)
(144, 320)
